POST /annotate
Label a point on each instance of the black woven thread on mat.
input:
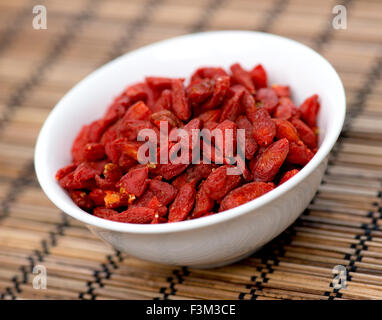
(27, 174)
(105, 272)
(133, 29)
(270, 257)
(36, 257)
(16, 187)
(358, 247)
(14, 28)
(356, 108)
(58, 48)
(176, 278)
(272, 15)
(205, 16)
(327, 33)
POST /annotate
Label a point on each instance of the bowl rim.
(79, 214)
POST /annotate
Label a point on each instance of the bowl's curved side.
(231, 241)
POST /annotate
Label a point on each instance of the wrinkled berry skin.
(287, 175)
(270, 161)
(264, 129)
(244, 194)
(183, 203)
(219, 183)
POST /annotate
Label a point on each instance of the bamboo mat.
(342, 226)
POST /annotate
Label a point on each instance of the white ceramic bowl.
(222, 238)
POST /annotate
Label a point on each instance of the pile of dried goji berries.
(107, 180)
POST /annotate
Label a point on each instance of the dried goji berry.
(117, 109)
(203, 203)
(165, 115)
(231, 107)
(286, 109)
(259, 76)
(250, 143)
(97, 196)
(159, 83)
(180, 105)
(143, 200)
(69, 183)
(104, 184)
(170, 170)
(88, 170)
(211, 115)
(120, 146)
(219, 183)
(281, 91)
(210, 125)
(164, 191)
(138, 111)
(134, 182)
(207, 72)
(243, 77)
(131, 128)
(245, 194)
(113, 200)
(199, 92)
(160, 209)
(285, 129)
(164, 102)
(141, 215)
(158, 219)
(268, 99)
(154, 203)
(222, 84)
(179, 181)
(130, 148)
(125, 162)
(137, 92)
(183, 203)
(299, 153)
(79, 143)
(107, 139)
(253, 161)
(247, 175)
(249, 105)
(93, 151)
(306, 134)
(270, 161)
(192, 125)
(65, 171)
(200, 171)
(82, 200)
(309, 110)
(264, 129)
(97, 129)
(229, 134)
(104, 213)
(112, 172)
(287, 175)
